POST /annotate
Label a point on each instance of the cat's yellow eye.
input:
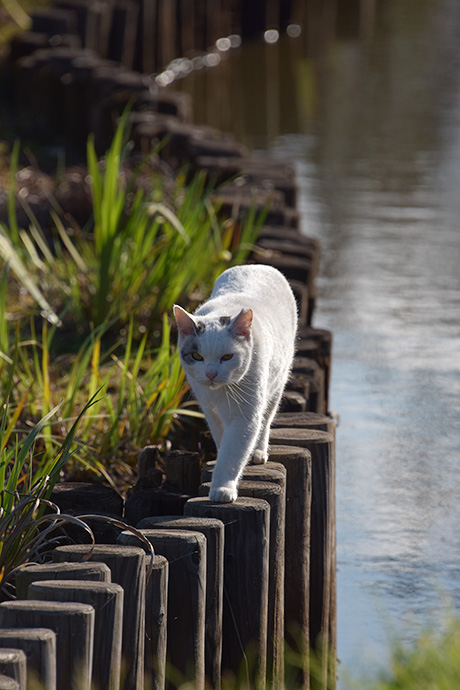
(225, 358)
(197, 357)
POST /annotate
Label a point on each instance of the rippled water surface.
(371, 117)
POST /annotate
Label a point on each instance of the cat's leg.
(215, 426)
(235, 450)
(260, 453)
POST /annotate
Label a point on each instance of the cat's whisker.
(238, 394)
(237, 400)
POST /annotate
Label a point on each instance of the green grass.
(431, 662)
(86, 309)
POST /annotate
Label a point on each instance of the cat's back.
(260, 287)
(254, 280)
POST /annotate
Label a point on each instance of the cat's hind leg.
(260, 453)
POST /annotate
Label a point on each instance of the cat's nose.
(211, 375)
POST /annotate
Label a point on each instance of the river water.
(370, 114)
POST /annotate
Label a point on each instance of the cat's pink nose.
(211, 375)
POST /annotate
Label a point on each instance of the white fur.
(239, 395)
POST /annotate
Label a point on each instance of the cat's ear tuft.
(241, 324)
(184, 321)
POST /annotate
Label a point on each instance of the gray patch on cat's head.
(224, 320)
(199, 327)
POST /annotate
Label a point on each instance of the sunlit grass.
(86, 309)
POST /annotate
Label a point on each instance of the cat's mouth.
(214, 385)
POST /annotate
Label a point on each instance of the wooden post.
(311, 420)
(183, 467)
(309, 372)
(244, 626)
(127, 566)
(304, 420)
(74, 628)
(8, 683)
(275, 496)
(323, 340)
(84, 496)
(268, 472)
(39, 646)
(186, 553)
(297, 462)
(156, 619)
(97, 572)
(322, 544)
(13, 665)
(107, 600)
(213, 530)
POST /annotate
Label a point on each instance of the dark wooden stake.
(127, 566)
(322, 544)
(297, 462)
(244, 638)
(74, 628)
(8, 683)
(275, 495)
(156, 619)
(183, 467)
(13, 663)
(107, 600)
(39, 646)
(213, 530)
(98, 572)
(186, 553)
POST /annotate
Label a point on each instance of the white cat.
(237, 350)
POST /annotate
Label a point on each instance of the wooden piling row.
(232, 584)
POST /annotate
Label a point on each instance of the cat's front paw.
(224, 494)
(259, 457)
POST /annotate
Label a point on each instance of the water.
(371, 118)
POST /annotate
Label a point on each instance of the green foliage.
(432, 662)
(27, 486)
(111, 285)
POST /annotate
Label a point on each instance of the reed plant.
(102, 293)
(141, 252)
(27, 482)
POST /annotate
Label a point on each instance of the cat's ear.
(184, 321)
(241, 324)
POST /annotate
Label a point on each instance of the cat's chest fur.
(237, 349)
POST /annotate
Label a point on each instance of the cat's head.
(214, 351)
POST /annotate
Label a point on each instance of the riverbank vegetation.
(431, 662)
(87, 309)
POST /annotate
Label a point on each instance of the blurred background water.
(367, 106)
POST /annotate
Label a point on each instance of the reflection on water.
(373, 122)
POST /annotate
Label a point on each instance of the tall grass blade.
(8, 252)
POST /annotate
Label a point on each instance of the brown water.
(371, 117)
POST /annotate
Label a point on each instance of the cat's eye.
(225, 358)
(197, 357)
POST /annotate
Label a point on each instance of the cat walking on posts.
(237, 351)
